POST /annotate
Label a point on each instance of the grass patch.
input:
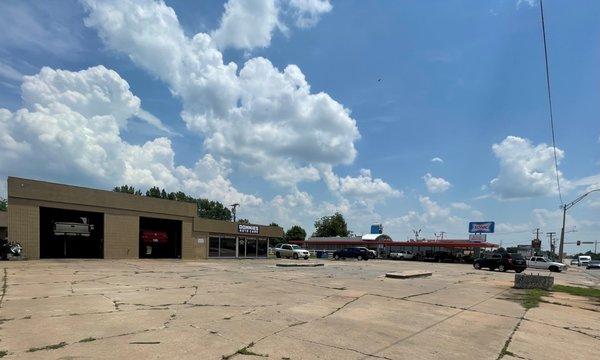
(87, 339)
(3, 353)
(532, 298)
(579, 291)
(48, 347)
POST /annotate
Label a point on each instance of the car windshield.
(295, 247)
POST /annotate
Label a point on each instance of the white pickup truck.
(539, 262)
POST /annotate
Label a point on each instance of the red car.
(150, 237)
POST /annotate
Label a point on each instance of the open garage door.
(71, 234)
(160, 238)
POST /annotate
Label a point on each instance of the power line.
(550, 103)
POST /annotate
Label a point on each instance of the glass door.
(250, 247)
(241, 247)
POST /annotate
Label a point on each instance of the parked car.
(291, 251)
(584, 260)
(402, 255)
(575, 261)
(539, 262)
(441, 256)
(359, 253)
(73, 228)
(372, 253)
(594, 264)
(501, 261)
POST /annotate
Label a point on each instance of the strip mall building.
(113, 225)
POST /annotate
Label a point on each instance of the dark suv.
(357, 253)
(501, 261)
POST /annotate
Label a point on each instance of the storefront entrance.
(240, 247)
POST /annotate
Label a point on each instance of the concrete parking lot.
(243, 309)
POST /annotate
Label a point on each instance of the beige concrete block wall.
(121, 236)
(24, 228)
(188, 246)
(200, 249)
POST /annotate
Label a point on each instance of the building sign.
(481, 227)
(200, 240)
(536, 243)
(477, 237)
(248, 229)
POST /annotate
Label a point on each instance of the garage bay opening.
(160, 238)
(71, 234)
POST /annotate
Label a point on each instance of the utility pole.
(566, 207)
(233, 207)
(552, 236)
(537, 233)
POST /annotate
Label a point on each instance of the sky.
(414, 114)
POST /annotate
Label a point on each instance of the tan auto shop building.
(61, 221)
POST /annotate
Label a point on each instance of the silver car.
(291, 251)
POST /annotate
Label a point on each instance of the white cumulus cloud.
(436, 184)
(526, 170)
(69, 128)
(257, 115)
(309, 12)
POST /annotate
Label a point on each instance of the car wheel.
(360, 257)
(554, 269)
(502, 268)
(337, 257)
(306, 258)
(518, 271)
(477, 266)
(295, 256)
(277, 255)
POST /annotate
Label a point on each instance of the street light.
(566, 207)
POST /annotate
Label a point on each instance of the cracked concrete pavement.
(244, 309)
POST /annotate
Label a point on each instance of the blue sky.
(376, 90)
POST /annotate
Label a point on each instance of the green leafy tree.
(3, 204)
(333, 225)
(295, 233)
(127, 189)
(209, 209)
(154, 192)
(273, 224)
(181, 196)
(243, 221)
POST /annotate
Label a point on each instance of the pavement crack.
(504, 351)
(343, 306)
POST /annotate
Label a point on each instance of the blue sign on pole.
(481, 227)
(376, 229)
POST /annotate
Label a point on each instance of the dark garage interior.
(71, 234)
(160, 238)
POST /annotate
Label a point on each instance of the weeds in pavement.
(576, 290)
(532, 298)
(88, 339)
(49, 347)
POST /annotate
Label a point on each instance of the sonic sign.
(481, 227)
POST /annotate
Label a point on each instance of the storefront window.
(213, 246)
(250, 247)
(228, 247)
(261, 249)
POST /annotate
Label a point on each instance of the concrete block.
(408, 274)
(525, 281)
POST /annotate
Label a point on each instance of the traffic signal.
(578, 242)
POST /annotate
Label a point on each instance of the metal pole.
(562, 235)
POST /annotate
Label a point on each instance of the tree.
(212, 210)
(295, 233)
(3, 204)
(329, 226)
(243, 221)
(154, 192)
(127, 189)
(273, 224)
